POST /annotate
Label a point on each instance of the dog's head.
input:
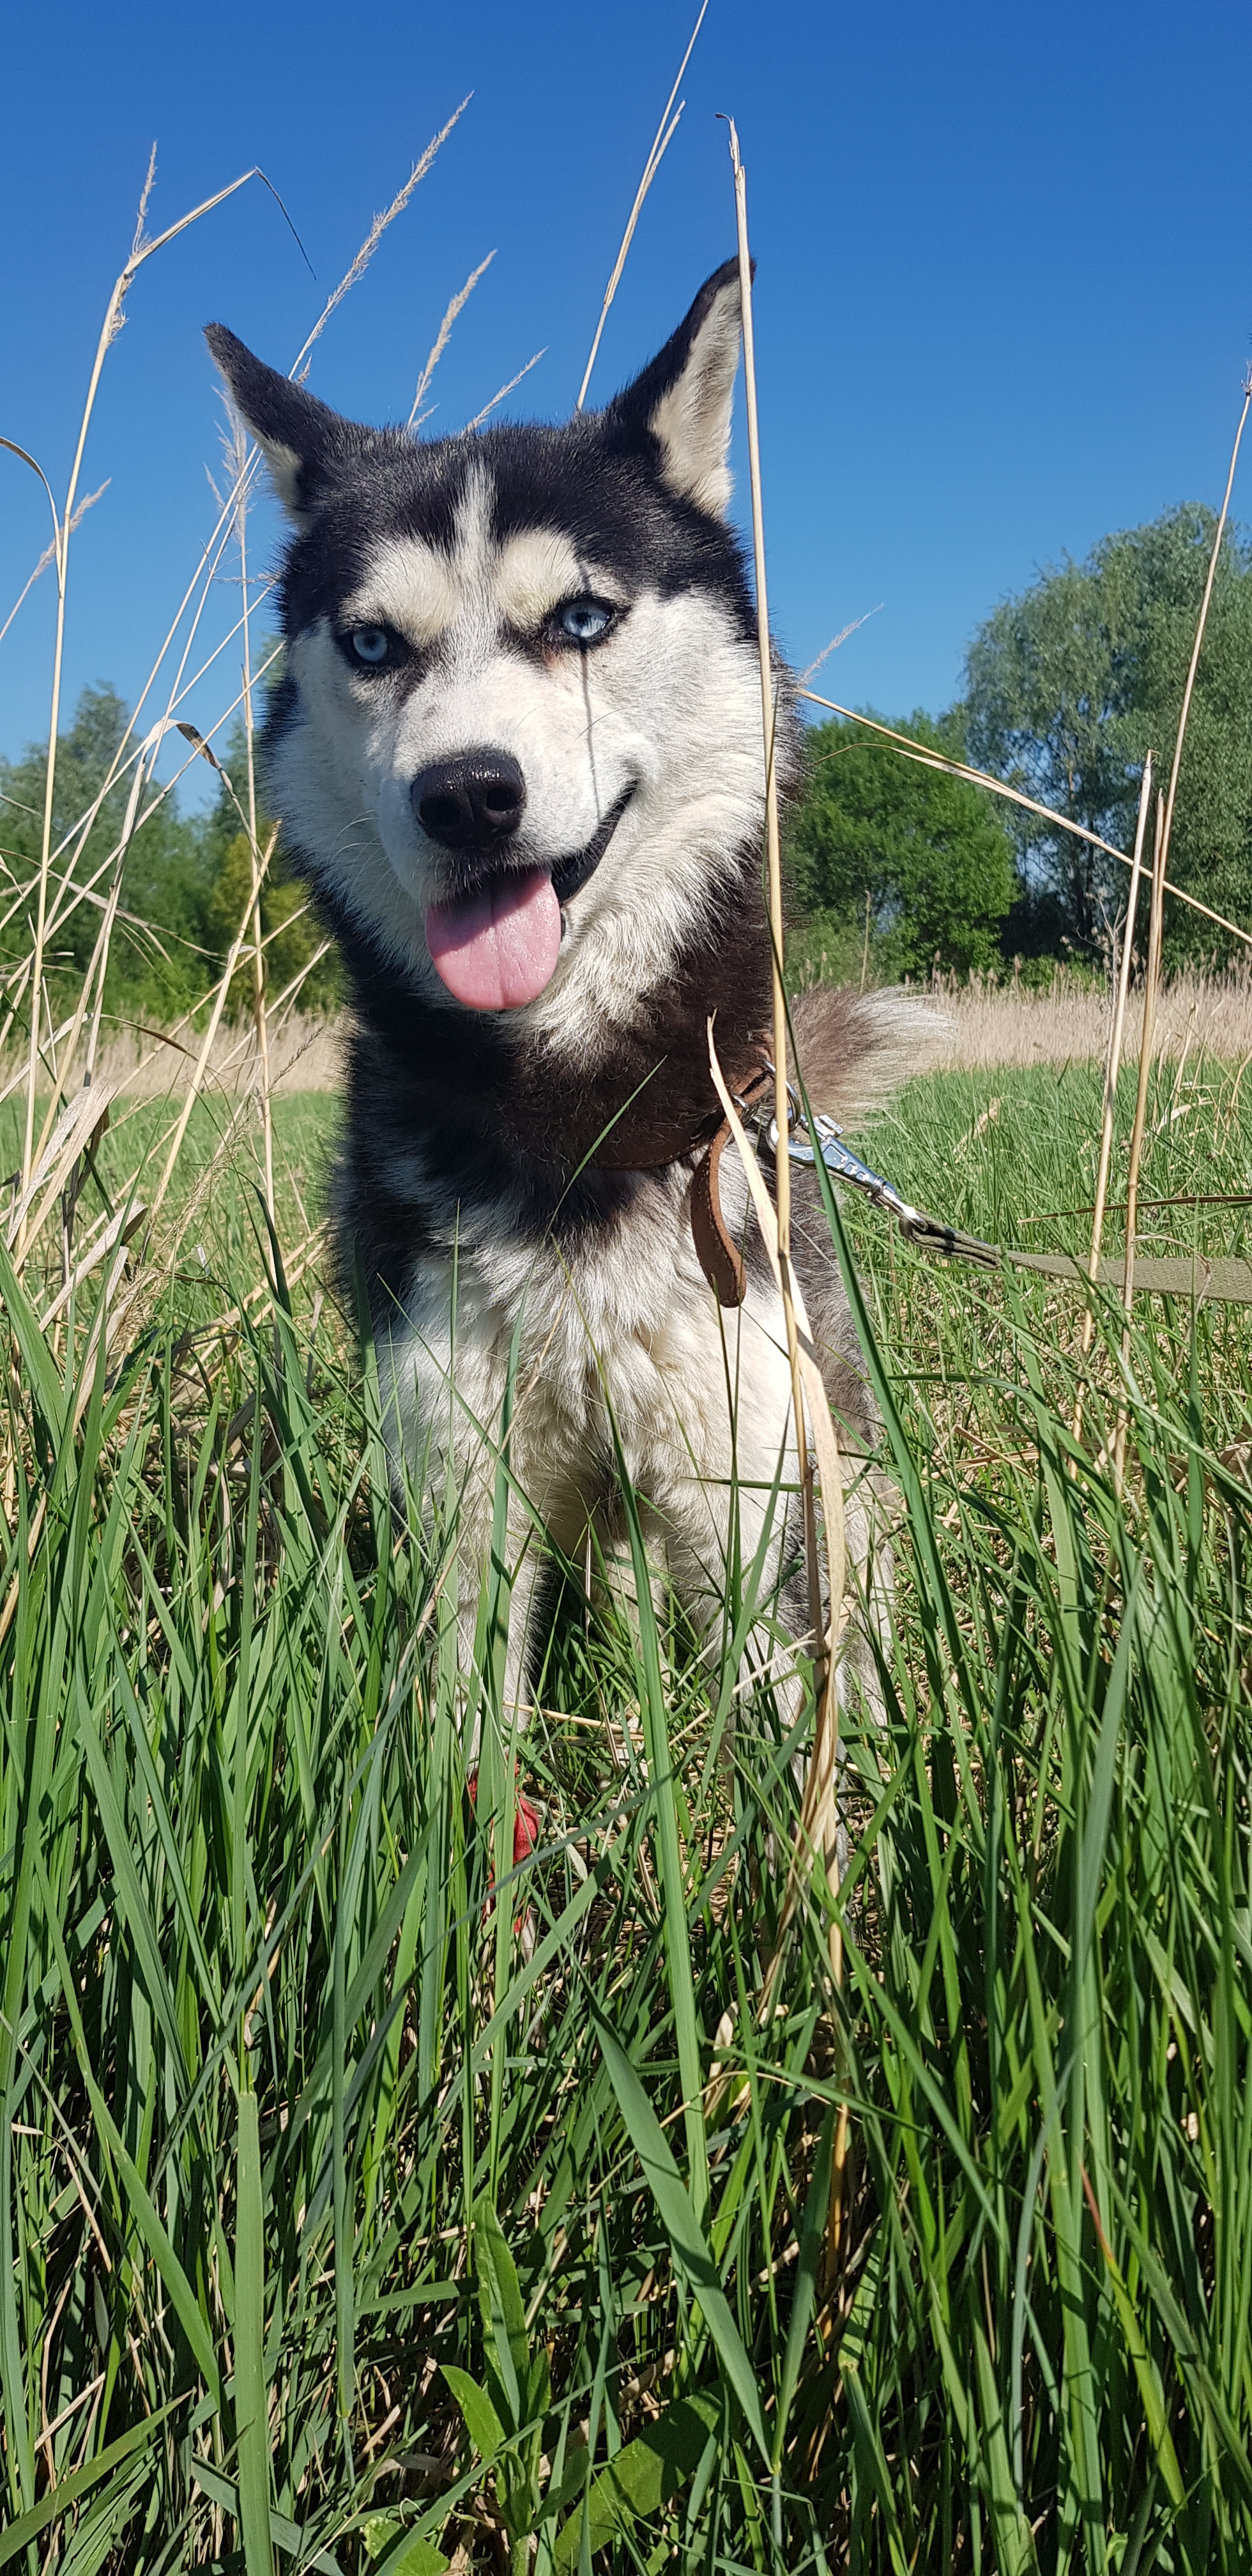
(518, 743)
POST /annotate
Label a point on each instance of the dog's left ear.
(683, 400)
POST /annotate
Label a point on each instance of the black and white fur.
(463, 1186)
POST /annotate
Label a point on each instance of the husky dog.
(517, 749)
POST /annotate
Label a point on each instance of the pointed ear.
(683, 400)
(299, 437)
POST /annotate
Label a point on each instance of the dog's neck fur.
(479, 1091)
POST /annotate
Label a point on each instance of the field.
(347, 2228)
(669, 2199)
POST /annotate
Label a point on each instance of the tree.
(163, 880)
(185, 883)
(1070, 683)
(928, 853)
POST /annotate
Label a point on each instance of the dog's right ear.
(300, 438)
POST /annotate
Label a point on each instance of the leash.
(662, 1133)
(946, 1242)
(1196, 1276)
(720, 1257)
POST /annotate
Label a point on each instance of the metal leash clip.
(843, 1165)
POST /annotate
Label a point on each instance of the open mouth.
(497, 947)
(569, 876)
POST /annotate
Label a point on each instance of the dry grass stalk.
(210, 553)
(1202, 620)
(442, 337)
(76, 1125)
(480, 416)
(1112, 1067)
(352, 275)
(215, 1020)
(852, 628)
(56, 897)
(96, 1244)
(238, 457)
(71, 892)
(141, 250)
(818, 1829)
(49, 554)
(25, 1227)
(927, 759)
(1164, 827)
(1151, 979)
(660, 144)
(773, 849)
(817, 1832)
(52, 1161)
(98, 964)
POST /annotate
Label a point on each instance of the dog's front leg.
(723, 1473)
(445, 1421)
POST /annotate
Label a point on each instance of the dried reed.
(442, 337)
(986, 1028)
(991, 1027)
(817, 1830)
(660, 144)
(1151, 980)
(1112, 1068)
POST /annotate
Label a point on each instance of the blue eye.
(371, 645)
(584, 621)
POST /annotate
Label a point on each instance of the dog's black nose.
(471, 801)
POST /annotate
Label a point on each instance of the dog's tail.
(856, 1048)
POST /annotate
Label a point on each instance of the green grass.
(340, 2234)
(218, 1175)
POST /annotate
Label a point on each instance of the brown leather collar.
(719, 1255)
(649, 1134)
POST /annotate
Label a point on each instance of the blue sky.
(1004, 299)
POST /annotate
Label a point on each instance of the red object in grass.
(526, 1821)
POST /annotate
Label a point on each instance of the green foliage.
(640, 2479)
(185, 883)
(291, 928)
(1070, 683)
(504, 2418)
(157, 963)
(927, 853)
(371, 2227)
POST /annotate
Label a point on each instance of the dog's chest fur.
(471, 1191)
(618, 1351)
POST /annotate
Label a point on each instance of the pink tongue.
(497, 949)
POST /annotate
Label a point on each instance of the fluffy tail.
(855, 1048)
